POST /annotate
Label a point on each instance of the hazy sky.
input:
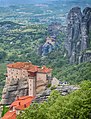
(23, 1)
(12, 2)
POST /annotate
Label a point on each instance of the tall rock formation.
(78, 29)
(14, 89)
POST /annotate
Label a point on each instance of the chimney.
(17, 97)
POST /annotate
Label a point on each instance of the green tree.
(5, 109)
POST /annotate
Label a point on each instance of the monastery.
(37, 79)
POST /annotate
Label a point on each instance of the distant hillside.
(74, 73)
(30, 11)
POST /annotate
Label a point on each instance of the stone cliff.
(78, 29)
(14, 89)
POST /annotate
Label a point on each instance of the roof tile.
(30, 67)
(10, 115)
(22, 102)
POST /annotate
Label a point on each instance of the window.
(19, 103)
(24, 105)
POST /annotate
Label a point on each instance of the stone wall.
(13, 73)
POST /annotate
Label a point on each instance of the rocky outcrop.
(78, 29)
(55, 82)
(48, 46)
(63, 89)
(14, 89)
(53, 40)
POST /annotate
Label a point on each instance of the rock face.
(48, 46)
(55, 82)
(63, 89)
(52, 41)
(78, 29)
(14, 89)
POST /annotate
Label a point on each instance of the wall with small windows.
(24, 73)
(13, 73)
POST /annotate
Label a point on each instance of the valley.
(40, 12)
(55, 34)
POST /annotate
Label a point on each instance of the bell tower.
(32, 86)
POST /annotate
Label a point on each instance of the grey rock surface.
(14, 89)
(78, 29)
(54, 30)
(63, 89)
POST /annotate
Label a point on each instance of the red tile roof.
(20, 65)
(10, 115)
(29, 66)
(22, 102)
(44, 69)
